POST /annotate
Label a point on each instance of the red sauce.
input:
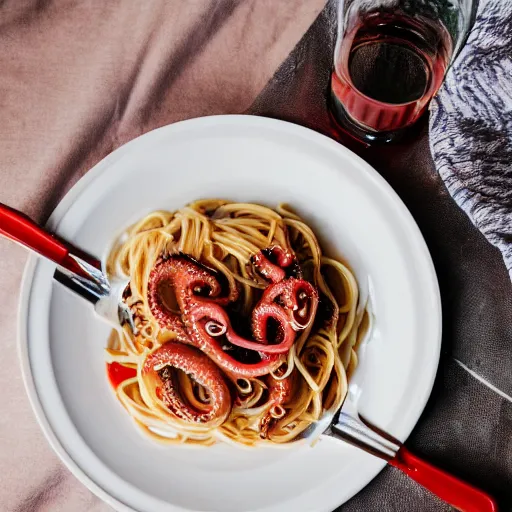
(118, 373)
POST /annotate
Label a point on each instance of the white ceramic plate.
(249, 159)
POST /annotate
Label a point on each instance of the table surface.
(78, 79)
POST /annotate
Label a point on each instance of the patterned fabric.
(471, 126)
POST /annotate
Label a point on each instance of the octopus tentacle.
(271, 262)
(285, 333)
(205, 314)
(192, 282)
(172, 322)
(279, 392)
(298, 297)
(196, 324)
(157, 372)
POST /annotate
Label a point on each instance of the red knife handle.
(459, 494)
(18, 227)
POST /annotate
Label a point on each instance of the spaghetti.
(245, 331)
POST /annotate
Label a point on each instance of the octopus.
(157, 372)
(287, 306)
(279, 392)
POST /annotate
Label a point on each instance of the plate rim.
(102, 166)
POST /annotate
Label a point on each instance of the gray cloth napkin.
(471, 126)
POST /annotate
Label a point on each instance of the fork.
(346, 424)
(76, 270)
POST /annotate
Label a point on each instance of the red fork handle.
(18, 227)
(462, 496)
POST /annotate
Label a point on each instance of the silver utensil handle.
(90, 283)
(356, 431)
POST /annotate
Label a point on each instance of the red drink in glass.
(386, 70)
